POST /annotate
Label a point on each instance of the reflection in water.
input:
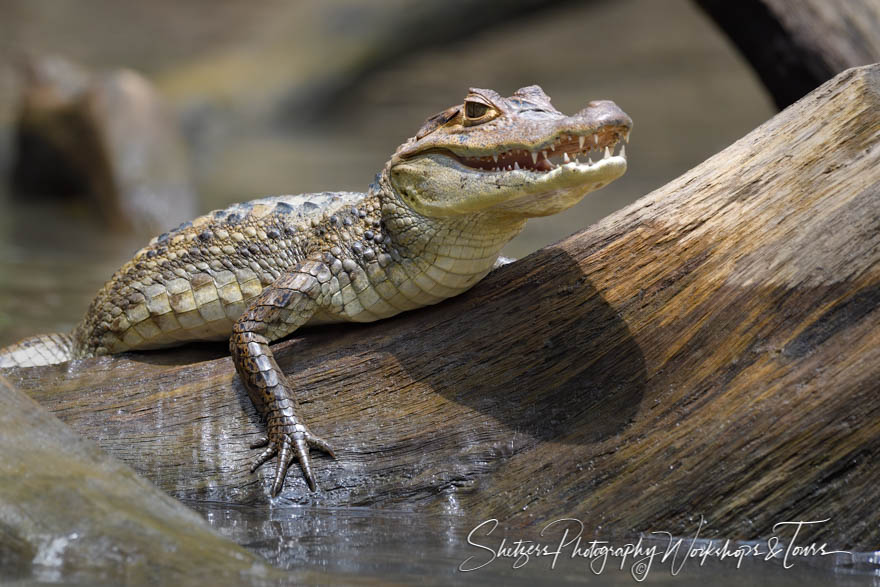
(410, 548)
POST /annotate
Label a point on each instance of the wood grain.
(712, 350)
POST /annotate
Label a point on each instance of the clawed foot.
(290, 440)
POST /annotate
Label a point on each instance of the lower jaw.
(571, 186)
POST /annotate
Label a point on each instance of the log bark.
(713, 349)
(795, 45)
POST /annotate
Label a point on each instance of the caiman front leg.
(279, 310)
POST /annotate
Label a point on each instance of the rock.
(69, 512)
(107, 140)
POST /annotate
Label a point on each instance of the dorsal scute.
(296, 208)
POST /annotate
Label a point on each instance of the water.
(52, 261)
(412, 548)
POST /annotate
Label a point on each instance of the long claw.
(292, 443)
(284, 458)
(265, 456)
(302, 454)
(319, 442)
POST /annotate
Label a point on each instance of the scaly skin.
(430, 227)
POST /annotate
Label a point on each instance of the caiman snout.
(522, 132)
(605, 113)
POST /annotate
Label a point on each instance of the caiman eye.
(475, 109)
(478, 112)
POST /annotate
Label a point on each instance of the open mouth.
(565, 149)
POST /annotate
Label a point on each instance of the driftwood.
(714, 350)
(795, 45)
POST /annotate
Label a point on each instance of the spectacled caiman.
(431, 226)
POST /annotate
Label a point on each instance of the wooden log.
(795, 45)
(713, 349)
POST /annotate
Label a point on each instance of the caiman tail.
(43, 349)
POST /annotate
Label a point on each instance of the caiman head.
(518, 157)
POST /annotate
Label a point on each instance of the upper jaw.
(562, 149)
(535, 141)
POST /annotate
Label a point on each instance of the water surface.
(411, 548)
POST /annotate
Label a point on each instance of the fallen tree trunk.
(714, 350)
(795, 45)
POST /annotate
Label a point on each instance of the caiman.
(431, 226)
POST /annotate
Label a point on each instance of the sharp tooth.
(552, 147)
(626, 136)
(581, 142)
(516, 165)
(544, 153)
(623, 151)
(534, 158)
(595, 139)
(495, 157)
(565, 158)
(590, 160)
(607, 153)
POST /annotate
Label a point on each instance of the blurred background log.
(106, 142)
(713, 349)
(795, 45)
